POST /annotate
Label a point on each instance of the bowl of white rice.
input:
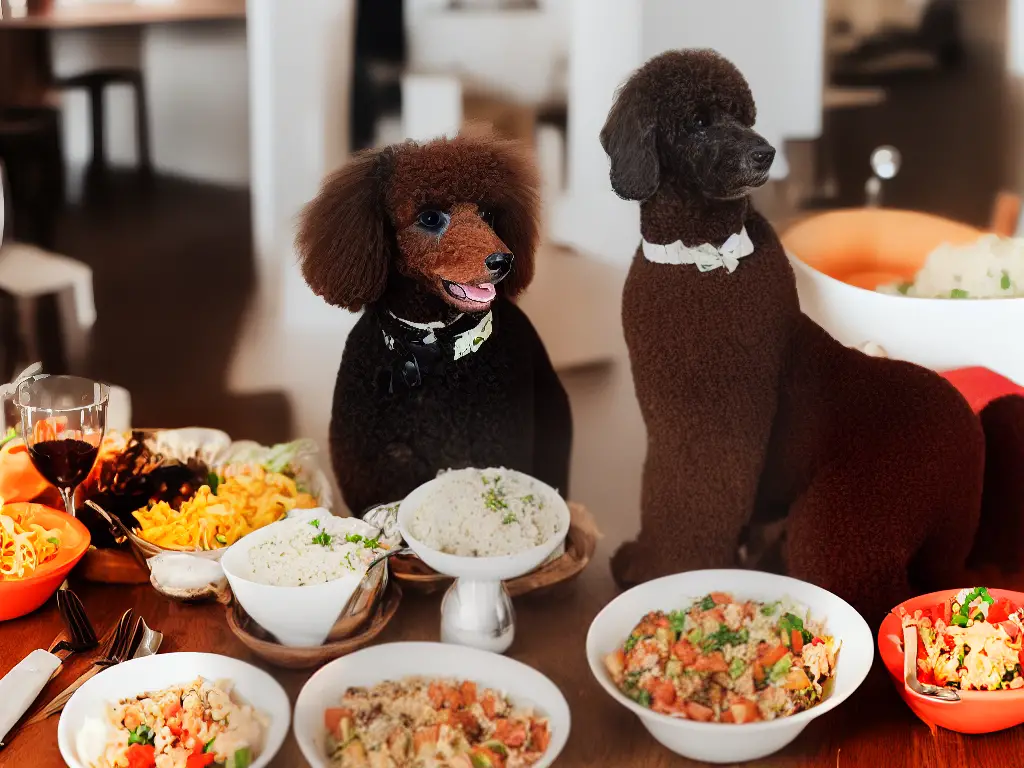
(296, 577)
(491, 523)
(924, 289)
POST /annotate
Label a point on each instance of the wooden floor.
(173, 272)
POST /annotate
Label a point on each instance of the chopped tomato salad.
(725, 660)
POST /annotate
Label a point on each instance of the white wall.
(300, 66)
(779, 47)
(197, 78)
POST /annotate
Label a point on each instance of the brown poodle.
(443, 371)
(753, 412)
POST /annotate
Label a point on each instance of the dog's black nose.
(499, 263)
(761, 157)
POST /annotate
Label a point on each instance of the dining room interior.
(156, 157)
(184, 212)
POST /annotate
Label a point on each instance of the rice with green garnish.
(313, 550)
(486, 513)
(990, 268)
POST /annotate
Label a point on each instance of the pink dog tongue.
(481, 293)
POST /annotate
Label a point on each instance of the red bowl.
(977, 711)
(21, 596)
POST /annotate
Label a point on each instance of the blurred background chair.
(96, 82)
(46, 304)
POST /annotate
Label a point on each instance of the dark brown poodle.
(753, 412)
(442, 371)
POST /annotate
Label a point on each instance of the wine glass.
(63, 419)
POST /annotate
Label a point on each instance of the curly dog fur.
(753, 412)
(441, 233)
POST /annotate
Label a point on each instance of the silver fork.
(80, 637)
(120, 647)
(142, 642)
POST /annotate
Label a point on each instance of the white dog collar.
(707, 256)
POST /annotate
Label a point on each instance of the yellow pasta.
(24, 546)
(242, 504)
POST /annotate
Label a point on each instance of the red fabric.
(981, 386)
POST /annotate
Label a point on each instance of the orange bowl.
(21, 596)
(977, 711)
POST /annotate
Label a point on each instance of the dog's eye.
(433, 221)
(487, 216)
(701, 121)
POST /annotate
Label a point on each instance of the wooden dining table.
(872, 729)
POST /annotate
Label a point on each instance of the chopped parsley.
(904, 288)
(142, 735)
(323, 539)
(353, 538)
(724, 636)
(769, 609)
(509, 518)
(315, 523)
(213, 480)
(1005, 282)
(643, 698)
(707, 603)
(54, 540)
(958, 293)
(208, 747)
(631, 642)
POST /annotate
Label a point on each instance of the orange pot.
(19, 480)
(866, 247)
(21, 596)
(977, 711)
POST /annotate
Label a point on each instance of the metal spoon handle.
(389, 553)
(910, 670)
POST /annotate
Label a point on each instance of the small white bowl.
(253, 686)
(523, 685)
(725, 742)
(300, 617)
(497, 568)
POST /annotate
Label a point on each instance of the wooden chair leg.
(142, 127)
(98, 166)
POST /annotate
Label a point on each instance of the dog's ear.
(344, 240)
(517, 212)
(629, 137)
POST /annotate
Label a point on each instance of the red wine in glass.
(65, 463)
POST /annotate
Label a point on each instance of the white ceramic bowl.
(724, 742)
(297, 616)
(941, 334)
(497, 568)
(252, 685)
(524, 685)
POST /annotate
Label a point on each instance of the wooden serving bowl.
(21, 596)
(580, 544)
(260, 642)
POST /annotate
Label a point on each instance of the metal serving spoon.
(389, 553)
(910, 671)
